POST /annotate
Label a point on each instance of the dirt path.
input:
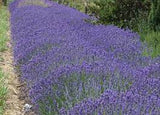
(14, 105)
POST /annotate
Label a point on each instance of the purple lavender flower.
(75, 68)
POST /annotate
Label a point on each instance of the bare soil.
(15, 95)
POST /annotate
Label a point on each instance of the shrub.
(124, 13)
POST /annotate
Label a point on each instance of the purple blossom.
(75, 68)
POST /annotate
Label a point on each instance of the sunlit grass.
(3, 91)
(153, 41)
(4, 26)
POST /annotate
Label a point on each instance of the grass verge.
(3, 91)
(153, 41)
(4, 26)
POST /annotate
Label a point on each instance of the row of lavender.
(75, 68)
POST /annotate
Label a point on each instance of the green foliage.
(154, 17)
(123, 13)
(103, 10)
(153, 40)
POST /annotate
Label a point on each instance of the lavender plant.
(75, 68)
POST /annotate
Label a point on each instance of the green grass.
(153, 41)
(4, 26)
(3, 91)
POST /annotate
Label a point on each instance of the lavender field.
(73, 67)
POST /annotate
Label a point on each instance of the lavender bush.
(75, 68)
